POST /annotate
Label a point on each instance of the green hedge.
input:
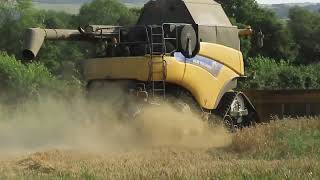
(266, 73)
(20, 81)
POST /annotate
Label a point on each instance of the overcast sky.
(285, 1)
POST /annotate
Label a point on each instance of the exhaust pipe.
(34, 38)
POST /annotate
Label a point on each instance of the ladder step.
(170, 38)
(157, 34)
(158, 90)
(157, 53)
(157, 72)
(155, 26)
(157, 62)
(157, 44)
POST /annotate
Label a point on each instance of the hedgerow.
(20, 81)
(267, 73)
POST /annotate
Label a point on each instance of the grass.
(288, 149)
(286, 139)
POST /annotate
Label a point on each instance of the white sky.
(286, 1)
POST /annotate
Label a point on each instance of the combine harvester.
(185, 50)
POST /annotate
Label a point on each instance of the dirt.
(55, 139)
(54, 135)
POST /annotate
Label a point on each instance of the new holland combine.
(181, 50)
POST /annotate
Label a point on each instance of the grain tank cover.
(207, 12)
(201, 12)
(214, 25)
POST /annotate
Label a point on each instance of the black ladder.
(157, 68)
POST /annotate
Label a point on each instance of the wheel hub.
(238, 109)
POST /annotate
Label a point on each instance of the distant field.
(69, 8)
(72, 8)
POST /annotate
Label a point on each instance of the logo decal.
(208, 64)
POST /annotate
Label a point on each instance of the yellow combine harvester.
(183, 49)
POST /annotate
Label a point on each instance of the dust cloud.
(78, 124)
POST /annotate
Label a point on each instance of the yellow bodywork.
(204, 81)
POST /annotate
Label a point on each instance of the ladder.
(157, 68)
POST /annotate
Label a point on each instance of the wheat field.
(55, 140)
(280, 150)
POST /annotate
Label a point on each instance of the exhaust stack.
(35, 37)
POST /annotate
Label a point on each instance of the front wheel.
(236, 111)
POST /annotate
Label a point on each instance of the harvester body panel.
(204, 75)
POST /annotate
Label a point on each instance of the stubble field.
(63, 144)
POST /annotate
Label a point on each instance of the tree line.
(16, 17)
(295, 40)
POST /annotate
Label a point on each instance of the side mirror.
(258, 37)
(188, 40)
